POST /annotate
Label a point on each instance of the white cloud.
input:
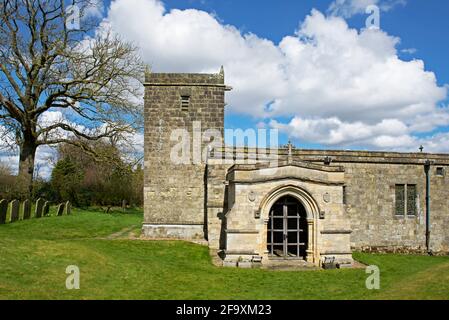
(94, 8)
(390, 135)
(195, 41)
(340, 86)
(332, 131)
(43, 165)
(436, 143)
(354, 76)
(348, 8)
(409, 51)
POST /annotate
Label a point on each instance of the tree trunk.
(26, 166)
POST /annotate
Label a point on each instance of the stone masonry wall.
(217, 203)
(174, 193)
(370, 179)
(370, 198)
(370, 191)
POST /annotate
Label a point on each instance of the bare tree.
(89, 74)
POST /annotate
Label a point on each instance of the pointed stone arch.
(302, 195)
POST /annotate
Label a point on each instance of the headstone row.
(41, 209)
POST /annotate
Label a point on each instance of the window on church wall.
(411, 200)
(185, 102)
(406, 195)
(400, 199)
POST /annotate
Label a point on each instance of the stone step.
(286, 264)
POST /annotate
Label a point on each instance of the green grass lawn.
(34, 255)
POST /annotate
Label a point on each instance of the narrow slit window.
(185, 102)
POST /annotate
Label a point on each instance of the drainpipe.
(427, 170)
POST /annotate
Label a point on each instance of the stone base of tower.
(173, 231)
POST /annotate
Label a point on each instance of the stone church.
(312, 206)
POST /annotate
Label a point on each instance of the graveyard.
(224, 150)
(16, 210)
(116, 263)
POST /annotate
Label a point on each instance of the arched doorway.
(287, 233)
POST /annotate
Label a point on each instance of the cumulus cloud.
(348, 8)
(94, 8)
(339, 86)
(390, 134)
(332, 131)
(337, 71)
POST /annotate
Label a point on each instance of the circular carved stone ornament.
(327, 197)
(252, 196)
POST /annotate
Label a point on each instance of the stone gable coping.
(300, 164)
(287, 178)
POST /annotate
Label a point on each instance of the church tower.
(174, 194)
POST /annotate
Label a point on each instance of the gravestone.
(26, 208)
(60, 210)
(3, 211)
(14, 207)
(39, 207)
(68, 208)
(46, 209)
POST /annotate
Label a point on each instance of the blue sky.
(307, 68)
(421, 25)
